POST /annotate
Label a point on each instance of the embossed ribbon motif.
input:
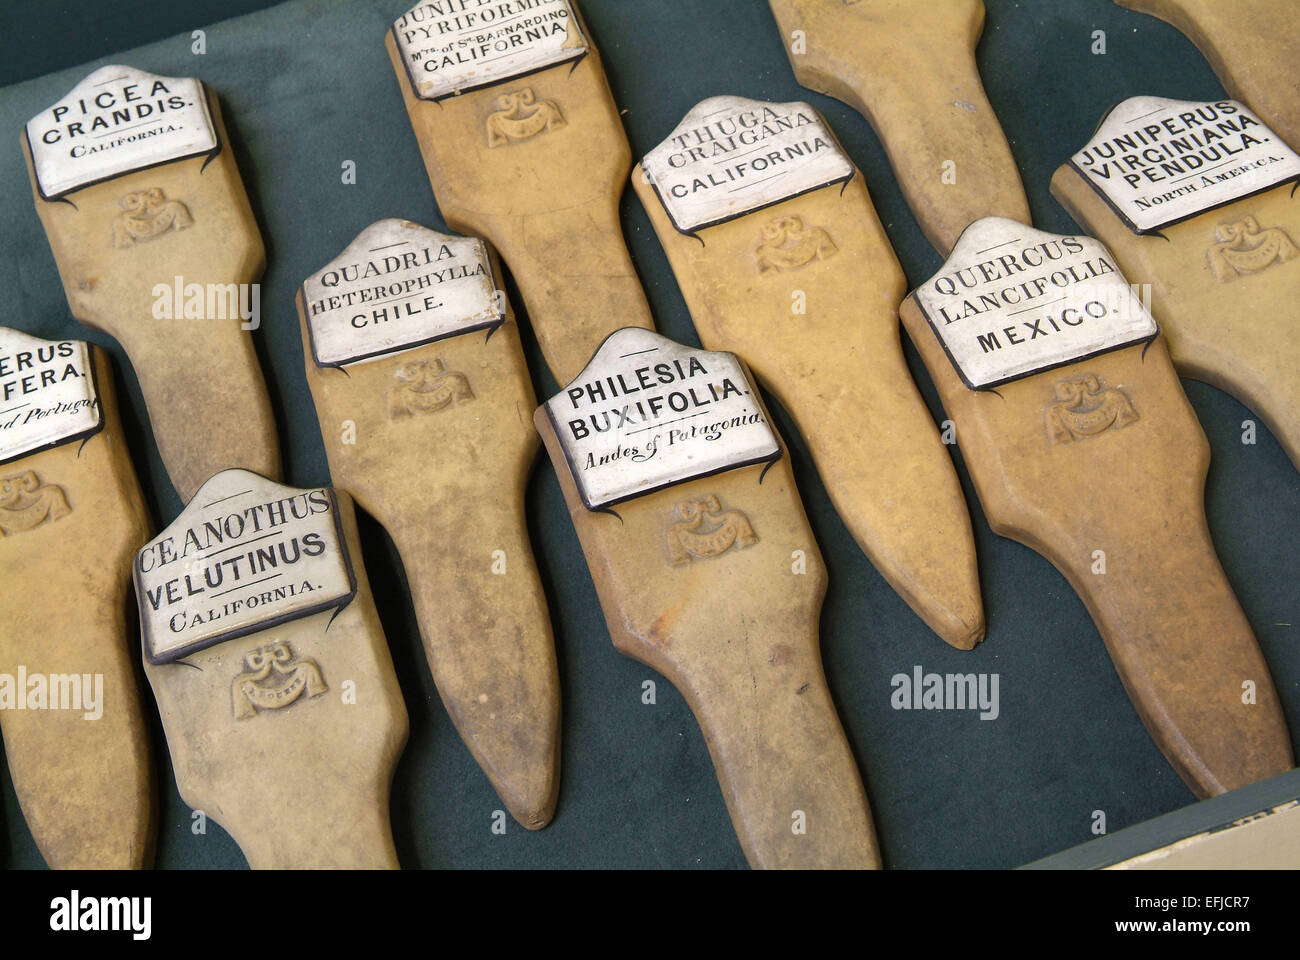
(786, 245)
(1083, 408)
(148, 214)
(251, 693)
(426, 386)
(26, 503)
(1245, 248)
(514, 121)
(689, 538)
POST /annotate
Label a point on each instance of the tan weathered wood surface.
(86, 786)
(548, 203)
(306, 786)
(737, 634)
(839, 371)
(909, 68)
(1236, 329)
(448, 486)
(1253, 46)
(1170, 620)
(208, 404)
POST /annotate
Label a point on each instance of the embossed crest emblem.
(704, 530)
(1084, 408)
(26, 503)
(1244, 248)
(272, 679)
(785, 244)
(147, 214)
(521, 116)
(426, 386)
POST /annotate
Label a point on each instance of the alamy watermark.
(53, 691)
(179, 300)
(79, 914)
(946, 691)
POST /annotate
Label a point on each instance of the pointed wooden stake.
(708, 572)
(419, 382)
(157, 247)
(71, 519)
(272, 675)
(909, 68)
(1083, 446)
(792, 269)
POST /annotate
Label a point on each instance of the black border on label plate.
(99, 408)
(574, 59)
(843, 181)
(337, 603)
(492, 325)
(605, 507)
(210, 154)
(1155, 231)
(992, 385)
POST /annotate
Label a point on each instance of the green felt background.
(306, 85)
